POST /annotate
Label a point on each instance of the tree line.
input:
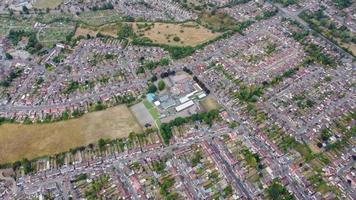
(206, 117)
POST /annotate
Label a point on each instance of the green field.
(10, 23)
(153, 111)
(55, 32)
(99, 18)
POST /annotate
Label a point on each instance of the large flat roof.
(184, 105)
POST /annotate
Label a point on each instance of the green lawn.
(99, 18)
(55, 32)
(153, 111)
(147, 104)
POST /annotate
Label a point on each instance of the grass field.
(11, 23)
(210, 104)
(18, 141)
(108, 29)
(153, 111)
(218, 21)
(43, 4)
(351, 46)
(84, 32)
(54, 33)
(187, 34)
(99, 18)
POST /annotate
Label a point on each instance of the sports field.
(153, 111)
(18, 141)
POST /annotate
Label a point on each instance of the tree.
(195, 160)
(11, 12)
(65, 115)
(341, 4)
(26, 164)
(58, 59)
(33, 45)
(154, 78)
(128, 18)
(140, 70)
(101, 144)
(25, 10)
(277, 191)
(233, 125)
(227, 191)
(179, 52)
(286, 2)
(13, 74)
(161, 85)
(16, 165)
(125, 31)
(77, 113)
(164, 61)
(8, 56)
(166, 128)
(152, 89)
(99, 106)
(325, 134)
(176, 38)
(39, 80)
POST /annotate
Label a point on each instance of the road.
(231, 174)
(118, 162)
(298, 189)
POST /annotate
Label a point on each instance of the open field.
(42, 4)
(108, 29)
(84, 32)
(187, 34)
(153, 111)
(210, 104)
(218, 21)
(18, 141)
(55, 32)
(142, 114)
(99, 18)
(350, 46)
(10, 23)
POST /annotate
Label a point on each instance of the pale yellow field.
(189, 34)
(18, 141)
(210, 104)
(42, 4)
